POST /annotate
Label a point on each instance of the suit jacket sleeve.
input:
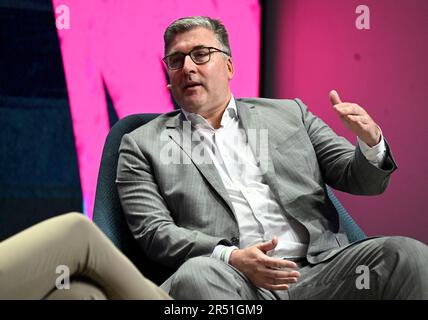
(147, 213)
(343, 165)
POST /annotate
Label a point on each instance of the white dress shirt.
(257, 212)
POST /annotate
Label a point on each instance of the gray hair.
(189, 23)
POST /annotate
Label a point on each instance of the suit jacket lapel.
(179, 131)
(261, 141)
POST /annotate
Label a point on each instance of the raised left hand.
(357, 120)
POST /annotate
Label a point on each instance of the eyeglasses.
(199, 55)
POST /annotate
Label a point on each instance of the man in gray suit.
(231, 192)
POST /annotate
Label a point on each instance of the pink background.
(383, 69)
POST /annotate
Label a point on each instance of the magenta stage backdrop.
(120, 43)
(385, 70)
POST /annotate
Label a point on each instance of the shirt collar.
(229, 114)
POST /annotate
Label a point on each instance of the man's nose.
(188, 65)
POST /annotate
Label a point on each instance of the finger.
(348, 108)
(276, 287)
(281, 274)
(275, 241)
(278, 263)
(334, 97)
(268, 245)
(284, 280)
(280, 281)
(356, 119)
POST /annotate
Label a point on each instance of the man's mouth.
(191, 85)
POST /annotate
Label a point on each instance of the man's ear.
(230, 68)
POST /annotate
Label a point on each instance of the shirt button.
(235, 241)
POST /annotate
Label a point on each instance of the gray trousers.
(33, 264)
(379, 268)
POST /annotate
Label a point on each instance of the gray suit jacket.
(182, 210)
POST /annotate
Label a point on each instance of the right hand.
(262, 270)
